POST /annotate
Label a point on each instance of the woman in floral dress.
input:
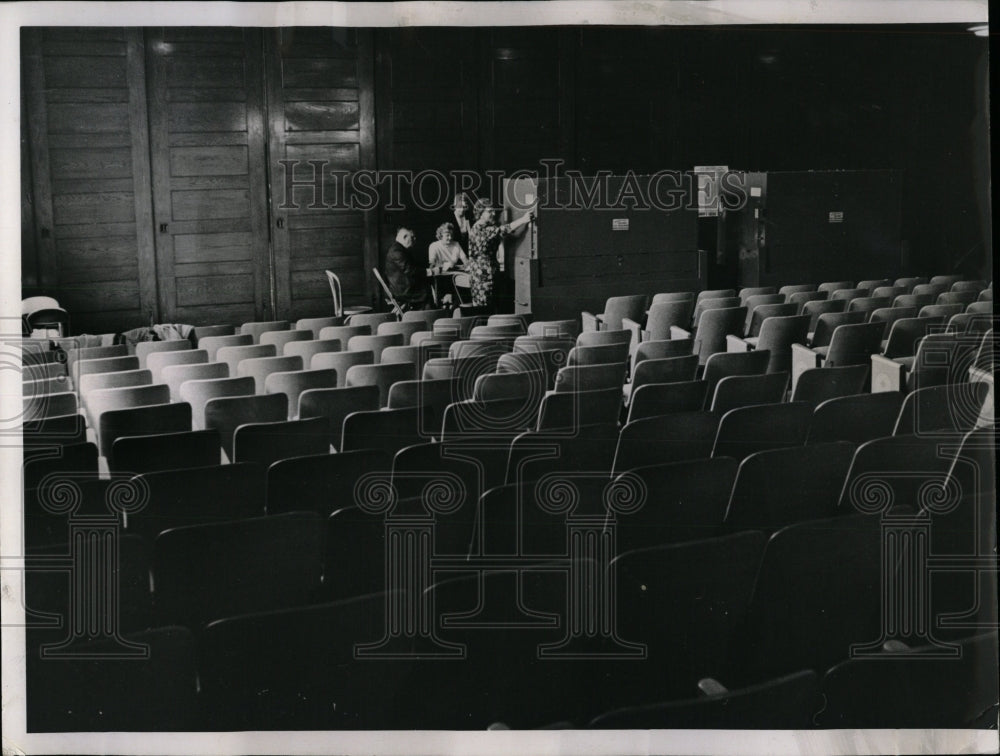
(484, 242)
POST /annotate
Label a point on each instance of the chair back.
(198, 392)
(255, 329)
(854, 344)
(715, 325)
(857, 418)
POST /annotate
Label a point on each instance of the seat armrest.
(736, 344)
(636, 330)
(803, 359)
(590, 322)
(887, 375)
(711, 687)
(676, 332)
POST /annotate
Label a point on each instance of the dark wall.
(642, 99)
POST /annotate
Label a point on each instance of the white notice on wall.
(619, 224)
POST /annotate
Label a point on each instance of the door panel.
(209, 176)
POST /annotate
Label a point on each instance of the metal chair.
(338, 300)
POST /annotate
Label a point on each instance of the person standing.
(407, 277)
(484, 242)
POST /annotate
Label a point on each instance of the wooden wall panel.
(87, 162)
(318, 111)
(209, 183)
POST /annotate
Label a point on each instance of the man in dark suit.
(406, 275)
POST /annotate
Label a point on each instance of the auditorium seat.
(41, 371)
(590, 377)
(572, 409)
(744, 390)
(479, 348)
(889, 291)
(430, 397)
(986, 295)
(508, 331)
(948, 410)
(753, 291)
(790, 289)
(456, 327)
(102, 365)
(597, 355)
(201, 332)
(405, 329)
(427, 317)
(873, 283)
(145, 348)
(335, 404)
(914, 300)
(761, 312)
(910, 282)
(546, 361)
(776, 336)
(54, 430)
(801, 298)
(659, 319)
(226, 414)
(970, 285)
(851, 344)
(232, 356)
(100, 401)
(259, 368)
(868, 305)
(315, 325)
(890, 315)
(393, 355)
(604, 337)
(97, 689)
(280, 339)
(197, 495)
(932, 289)
(197, 393)
(122, 379)
(523, 385)
(666, 370)
(175, 376)
(78, 457)
(374, 344)
(75, 354)
(823, 578)
(256, 328)
(963, 298)
(780, 487)
(711, 303)
(663, 398)
(661, 349)
(660, 439)
(382, 376)
(817, 308)
(371, 319)
(164, 451)
(905, 334)
(212, 344)
(816, 385)
(714, 294)
(293, 383)
(746, 430)
(788, 702)
(141, 421)
(266, 443)
(947, 279)
(157, 361)
(723, 364)
(310, 347)
(822, 332)
(386, 430)
(492, 422)
(46, 386)
(980, 308)
(856, 418)
(760, 300)
(205, 572)
(321, 483)
(915, 687)
(940, 358)
(535, 454)
(344, 334)
(530, 344)
(615, 309)
(46, 406)
(970, 322)
(713, 327)
(341, 362)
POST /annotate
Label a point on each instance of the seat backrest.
(227, 413)
(762, 312)
(605, 337)
(744, 390)
(411, 354)
(723, 364)
(374, 344)
(256, 328)
(783, 486)
(534, 455)
(716, 303)
(663, 315)
(790, 289)
(344, 333)
(141, 421)
(948, 410)
(145, 348)
(544, 344)
(387, 430)
(293, 383)
(74, 354)
(341, 362)
(315, 325)
(103, 365)
(983, 307)
(873, 283)
(555, 328)
(306, 349)
(198, 392)
(905, 334)
(50, 405)
(176, 376)
(456, 327)
(714, 326)
(659, 439)
(430, 397)
(123, 379)
(206, 572)
(202, 332)
(666, 370)
(212, 344)
(404, 328)
(889, 291)
(868, 304)
(914, 300)
(518, 385)
(909, 282)
(321, 483)
(573, 409)
(655, 399)
(828, 322)
(943, 358)
(427, 317)
(832, 286)
(753, 291)
(685, 501)
(280, 339)
(715, 294)
(816, 385)
(266, 443)
(972, 285)
(746, 430)
(547, 361)
(854, 344)
(99, 401)
(659, 350)
(777, 334)
(932, 289)
(371, 319)
(800, 298)
(890, 315)
(232, 356)
(477, 348)
(816, 308)
(947, 279)
(616, 308)
(335, 404)
(857, 418)
(957, 297)
(164, 451)
(382, 376)
(507, 330)
(259, 368)
(597, 355)
(156, 361)
(591, 377)
(943, 311)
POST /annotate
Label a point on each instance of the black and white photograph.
(561, 377)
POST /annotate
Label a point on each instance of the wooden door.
(207, 147)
